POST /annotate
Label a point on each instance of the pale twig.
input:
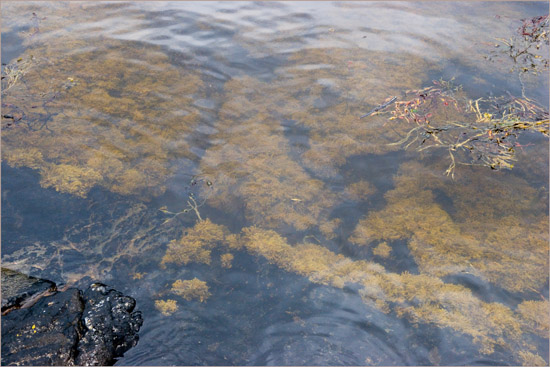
(452, 166)
(195, 207)
(14, 71)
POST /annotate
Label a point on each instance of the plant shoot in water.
(527, 48)
(482, 132)
(192, 204)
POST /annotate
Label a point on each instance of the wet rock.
(66, 327)
(19, 289)
(111, 326)
(45, 334)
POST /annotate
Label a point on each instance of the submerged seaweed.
(421, 298)
(93, 132)
(121, 117)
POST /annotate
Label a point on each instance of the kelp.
(531, 359)
(420, 298)
(359, 191)
(535, 317)
(329, 228)
(382, 250)
(226, 260)
(348, 81)
(253, 165)
(273, 143)
(253, 162)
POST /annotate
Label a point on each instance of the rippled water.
(151, 142)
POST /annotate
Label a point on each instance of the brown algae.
(190, 289)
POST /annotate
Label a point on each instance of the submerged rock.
(66, 327)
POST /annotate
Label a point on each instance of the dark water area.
(12, 46)
(209, 160)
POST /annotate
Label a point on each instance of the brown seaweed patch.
(190, 289)
(421, 298)
(359, 190)
(328, 228)
(24, 157)
(226, 260)
(166, 307)
(70, 179)
(337, 133)
(196, 244)
(531, 359)
(382, 250)
(535, 316)
(254, 166)
(101, 116)
(501, 236)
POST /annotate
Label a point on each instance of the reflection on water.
(208, 160)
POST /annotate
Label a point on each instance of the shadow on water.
(379, 170)
(12, 46)
(84, 240)
(33, 221)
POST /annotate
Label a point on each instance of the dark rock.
(19, 289)
(45, 334)
(111, 326)
(67, 327)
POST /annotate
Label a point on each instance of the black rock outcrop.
(44, 326)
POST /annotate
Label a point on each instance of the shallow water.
(151, 142)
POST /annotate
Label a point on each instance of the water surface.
(152, 142)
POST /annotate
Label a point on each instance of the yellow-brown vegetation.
(329, 227)
(501, 235)
(166, 307)
(226, 260)
(254, 166)
(196, 244)
(352, 84)
(530, 359)
(382, 250)
(421, 298)
(535, 316)
(101, 116)
(360, 190)
(190, 289)
(124, 124)
(254, 163)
